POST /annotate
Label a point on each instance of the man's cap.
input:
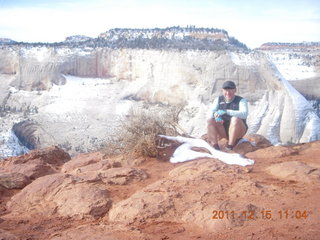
(229, 85)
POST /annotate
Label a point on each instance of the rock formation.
(78, 91)
(34, 164)
(299, 63)
(93, 196)
(32, 135)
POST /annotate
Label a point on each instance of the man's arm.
(242, 112)
(215, 107)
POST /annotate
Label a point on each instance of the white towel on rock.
(185, 153)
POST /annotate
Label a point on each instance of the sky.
(252, 22)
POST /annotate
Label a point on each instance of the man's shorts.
(226, 125)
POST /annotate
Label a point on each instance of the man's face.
(229, 93)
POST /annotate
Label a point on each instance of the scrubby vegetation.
(140, 129)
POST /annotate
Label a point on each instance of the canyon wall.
(77, 95)
(299, 63)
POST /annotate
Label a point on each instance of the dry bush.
(139, 130)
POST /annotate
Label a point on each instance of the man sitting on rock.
(228, 118)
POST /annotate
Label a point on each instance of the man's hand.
(219, 119)
(217, 115)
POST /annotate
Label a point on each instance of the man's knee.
(211, 121)
(238, 124)
(236, 121)
(213, 125)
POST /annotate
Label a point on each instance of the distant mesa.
(77, 38)
(6, 41)
(167, 33)
(291, 46)
(177, 37)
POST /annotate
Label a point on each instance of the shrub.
(139, 130)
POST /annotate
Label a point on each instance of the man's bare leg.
(216, 131)
(237, 130)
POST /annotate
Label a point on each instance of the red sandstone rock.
(295, 171)
(176, 201)
(4, 235)
(51, 155)
(36, 163)
(13, 180)
(272, 152)
(81, 160)
(63, 194)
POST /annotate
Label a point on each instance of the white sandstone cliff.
(79, 95)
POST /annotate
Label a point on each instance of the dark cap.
(229, 85)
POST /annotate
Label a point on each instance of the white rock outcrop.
(79, 95)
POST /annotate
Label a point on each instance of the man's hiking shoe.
(216, 147)
(229, 147)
